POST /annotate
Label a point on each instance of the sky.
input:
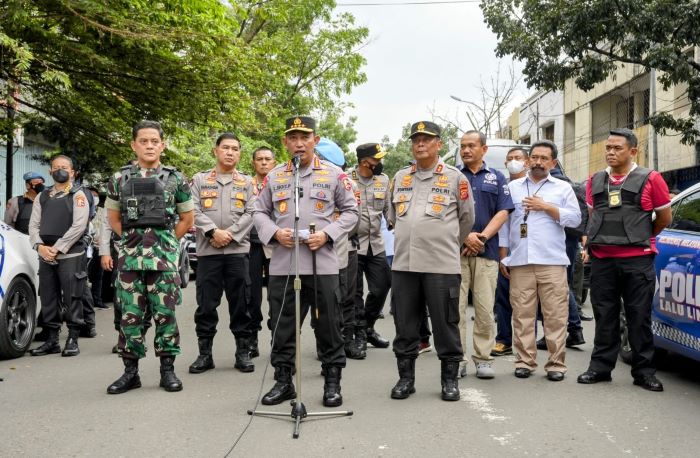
(417, 56)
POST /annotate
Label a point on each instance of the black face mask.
(38, 187)
(60, 176)
(377, 169)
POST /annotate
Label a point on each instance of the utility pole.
(652, 110)
(10, 139)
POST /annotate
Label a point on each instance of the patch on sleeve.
(80, 201)
(346, 181)
(464, 190)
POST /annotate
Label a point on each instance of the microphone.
(312, 228)
(295, 161)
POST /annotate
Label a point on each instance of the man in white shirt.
(534, 233)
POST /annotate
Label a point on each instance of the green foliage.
(87, 70)
(587, 39)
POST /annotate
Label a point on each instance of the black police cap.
(374, 150)
(300, 123)
(425, 127)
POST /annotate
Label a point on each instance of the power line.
(438, 2)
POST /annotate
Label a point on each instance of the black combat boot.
(407, 377)
(168, 379)
(361, 339)
(575, 338)
(331, 389)
(50, 346)
(253, 345)
(42, 335)
(204, 361)
(352, 350)
(283, 389)
(243, 362)
(129, 380)
(375, 339)
(71, 347)
(448, 377)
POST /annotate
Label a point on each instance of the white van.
(495, 157)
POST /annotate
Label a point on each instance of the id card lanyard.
(523, 225)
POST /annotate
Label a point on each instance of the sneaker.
(462, 369)
(485, 371)
(424, 347)
(501, 349)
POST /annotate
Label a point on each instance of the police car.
(18, 286)
(676, 307)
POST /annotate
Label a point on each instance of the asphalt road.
(58, 407)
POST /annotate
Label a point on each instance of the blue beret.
(31, 176)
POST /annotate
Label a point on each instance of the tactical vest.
(627, 224)
(57, 218)
(143, 200)
(24, 207)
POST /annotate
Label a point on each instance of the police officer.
(346, 250)
(432, 212)
(57, 229)
(223, 216)
(19, 208)
(324, 189)
(373, 187)
(263, 162)
(143, 203)
(621, 241)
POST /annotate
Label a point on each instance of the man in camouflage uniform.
(143, 203)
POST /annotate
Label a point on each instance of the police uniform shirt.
(81, 216)
(105, 236)
(223, 201)
(151, 248)
(374, 203)
(491, 195)
(432, 212)
(325, 189)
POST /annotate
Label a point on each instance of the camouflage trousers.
(137, 291)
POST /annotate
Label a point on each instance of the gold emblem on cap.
(297, 123)
(379, 148)
(420, 126)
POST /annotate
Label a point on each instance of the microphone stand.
(298, 409)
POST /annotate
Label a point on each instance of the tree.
(486, 114)
(587, 40)
(86, 70)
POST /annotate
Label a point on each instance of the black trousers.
(259, 274)
(62, 286)
(378, 273)
(327, 318)
(633, 280)
(217, 274)
(411, 292)
(348, 286)
(95, 277)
